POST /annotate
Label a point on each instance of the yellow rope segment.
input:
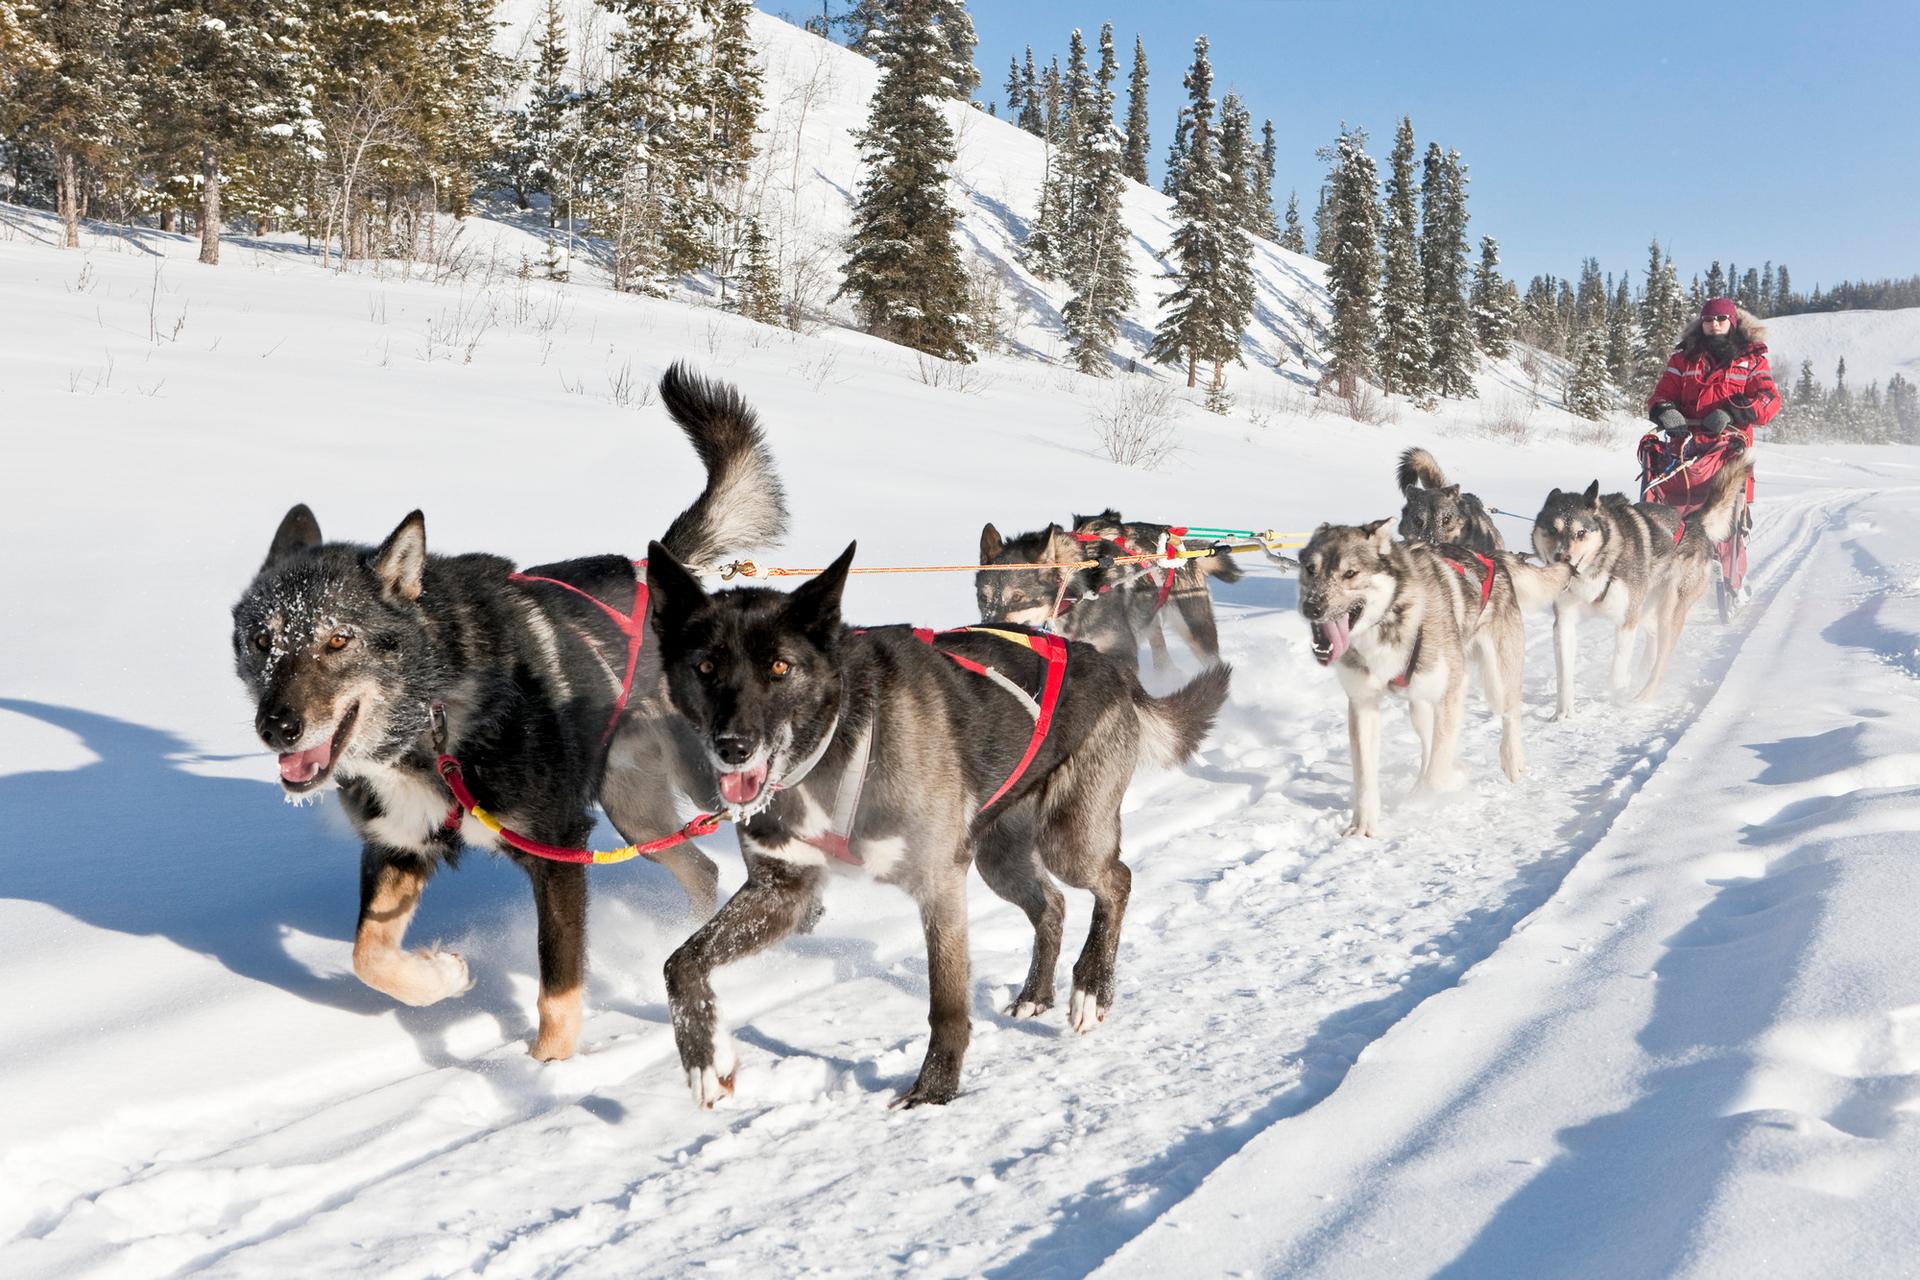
(600, 857)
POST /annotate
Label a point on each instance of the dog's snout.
(732, 749)
(280, 726)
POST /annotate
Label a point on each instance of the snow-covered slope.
(1875, 344)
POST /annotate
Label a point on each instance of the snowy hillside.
(1875, 344)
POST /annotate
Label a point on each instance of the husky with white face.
(1404, 619)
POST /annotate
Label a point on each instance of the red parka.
(1697, 386)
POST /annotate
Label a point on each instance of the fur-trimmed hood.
(1747, 333)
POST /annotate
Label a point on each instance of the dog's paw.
(1084, 1012)
(1561, 715)
(1363, 827)
(1442, 783)
(428, 977)
(923, 1095)
(1028, 1008)
(715, 1080)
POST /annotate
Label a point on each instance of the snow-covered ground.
(1655, 1009)
(1875, 344)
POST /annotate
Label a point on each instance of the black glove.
(1716, 422)
(1743, 415)
(1668, 418)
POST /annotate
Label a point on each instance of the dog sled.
(1676, 469)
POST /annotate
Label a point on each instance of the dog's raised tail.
(1715, 516)
(1418, 467)
(1172, 728)
(1535, 586)
(743, 505)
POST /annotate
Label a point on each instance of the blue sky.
(1748, 131)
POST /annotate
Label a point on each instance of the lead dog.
(1633, 564)
(877, 750)
(1406, 618)
(347, 649)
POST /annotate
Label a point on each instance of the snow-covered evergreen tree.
(1013, 90)
(1620, 330)
(1264, 224)
(1349, 245)
(957, 36)
(903, 267)
(1063, 179)
(552, 113)
(1403, 357)
(1589, 393)
(1492, 303)
(1660, 311)
(1177, 154)
(1096, 261)
(1032, 101)
(1443, 262)
(1292, 236)
(731, 92)
(1238, 162)
(758, 297)
(1133, 161)
(1202, 319)
(1716, 282)
(71, 93)
(221, 77)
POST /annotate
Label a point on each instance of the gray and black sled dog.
(906, 754)
(1405, 618)
(549, 700)
(1439, 514)
(1114, 608)
(1636, 565)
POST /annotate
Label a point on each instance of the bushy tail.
(1535, 586)
(1418, 467)
(1220, 565)
(742, 506)
(1715, 516)
(1171, 728)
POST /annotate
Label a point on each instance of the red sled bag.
(1677, 471)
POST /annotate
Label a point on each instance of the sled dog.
(1405, 618)
(1437, 512)
(879, 750)
(550, 702)
(1114, 609)
(1151, 596)
(1636, 565)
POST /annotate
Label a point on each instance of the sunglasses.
(1717, 319)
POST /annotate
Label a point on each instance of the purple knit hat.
(1720, 307)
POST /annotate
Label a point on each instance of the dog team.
(456, 701)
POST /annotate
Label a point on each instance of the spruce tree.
(1063, 180)
(1783, 298)
(1264, 224)
(958, 40)
(1620, 336)
(72, 93)
(1176, 154)
(1239, 165)
(1491, 303)
(1292, 237)
(1589, 393)
(1032, 101)
(1349, 246)
(1202, 319)
(552, 108)
(1134, 160)
(903, 267)
(730, 88)
(1443, 255)
(1403, 355)
(1660, 309)
(1014, 98)
(1323, 222)
(1716, 283)
(1096, 262)
(758, 297)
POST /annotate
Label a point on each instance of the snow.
(1875, 344)
(1653, 1010)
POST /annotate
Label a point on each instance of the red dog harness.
(1486, 593)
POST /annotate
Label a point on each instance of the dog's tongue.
(743, 787)
(304, 766)
(1330, 639)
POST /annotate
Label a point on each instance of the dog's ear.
(1452, 491)
(991, 544)
(1553, 495)
(1593, 494)
(298, 530)
(1061, 546)
(673, 593)
(402, 559)
(1381, 533)
(815, 607)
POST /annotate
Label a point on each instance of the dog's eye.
(704, 666)
(780, 668)
(263, 640)
(339, 640)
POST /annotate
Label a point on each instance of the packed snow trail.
(1702, 1056)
